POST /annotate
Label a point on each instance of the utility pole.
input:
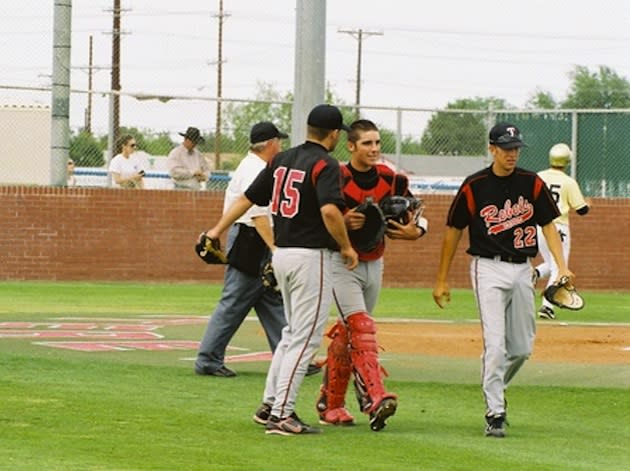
(217, 135)
(91, 69)
(358, 34)
(115, 108)
(88, 113)
(114, 93)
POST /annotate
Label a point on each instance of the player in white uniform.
(566, 192)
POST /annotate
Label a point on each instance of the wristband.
(423, 224)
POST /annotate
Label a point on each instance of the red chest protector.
(355, 195)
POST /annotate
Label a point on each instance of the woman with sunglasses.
(126, 169)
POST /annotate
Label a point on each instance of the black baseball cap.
(506, 136)
(193, 134)
(326, 117)
(264, 131)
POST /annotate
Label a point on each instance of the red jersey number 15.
(285, 198)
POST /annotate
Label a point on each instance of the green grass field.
(146, 410)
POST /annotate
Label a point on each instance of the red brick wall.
(115, 235)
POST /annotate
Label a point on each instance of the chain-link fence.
(436, 147)
(600, 141)
(172, 60)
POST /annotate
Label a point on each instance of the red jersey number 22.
(524, 237)
(286, 197)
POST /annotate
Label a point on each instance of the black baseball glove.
(397, 208)
(209, 250)
(371, 234)
(563, 294)
(269, 280)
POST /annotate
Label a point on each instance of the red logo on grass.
(112, 335)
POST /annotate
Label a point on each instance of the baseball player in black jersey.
(501, 206)
(302, 188)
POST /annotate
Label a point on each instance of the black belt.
(505, 258)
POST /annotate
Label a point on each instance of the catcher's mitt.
(397, 208)
(209, 250)
(563, 294)
(269, 280)
(371, 234)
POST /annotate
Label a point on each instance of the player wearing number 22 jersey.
(501, 207)
(502, 213)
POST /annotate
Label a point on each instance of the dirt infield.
(554, 342)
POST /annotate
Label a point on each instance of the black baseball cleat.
(288, 426)
(262, 414)
(384, 411)
(546, 313)
(495, 425)
(223, 372)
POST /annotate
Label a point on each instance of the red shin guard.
(368, 373)
(336, 372)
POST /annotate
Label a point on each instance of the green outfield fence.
(600, 140)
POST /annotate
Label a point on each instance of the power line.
(519, 35)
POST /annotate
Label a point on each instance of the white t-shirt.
(247, 170)
(125, 167)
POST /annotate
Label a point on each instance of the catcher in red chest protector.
(354, 349)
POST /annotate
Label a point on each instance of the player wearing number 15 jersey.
(501, 207)
(303, 185)
(567, 195)
(302, 188)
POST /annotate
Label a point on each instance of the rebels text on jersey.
(296, 184)
(502, 212)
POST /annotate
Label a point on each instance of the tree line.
(447, 132)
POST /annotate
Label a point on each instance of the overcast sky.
(430, 53)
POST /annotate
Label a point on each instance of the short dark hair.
(317, 133)
(360, 125)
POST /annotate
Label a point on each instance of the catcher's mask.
(397, 208)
